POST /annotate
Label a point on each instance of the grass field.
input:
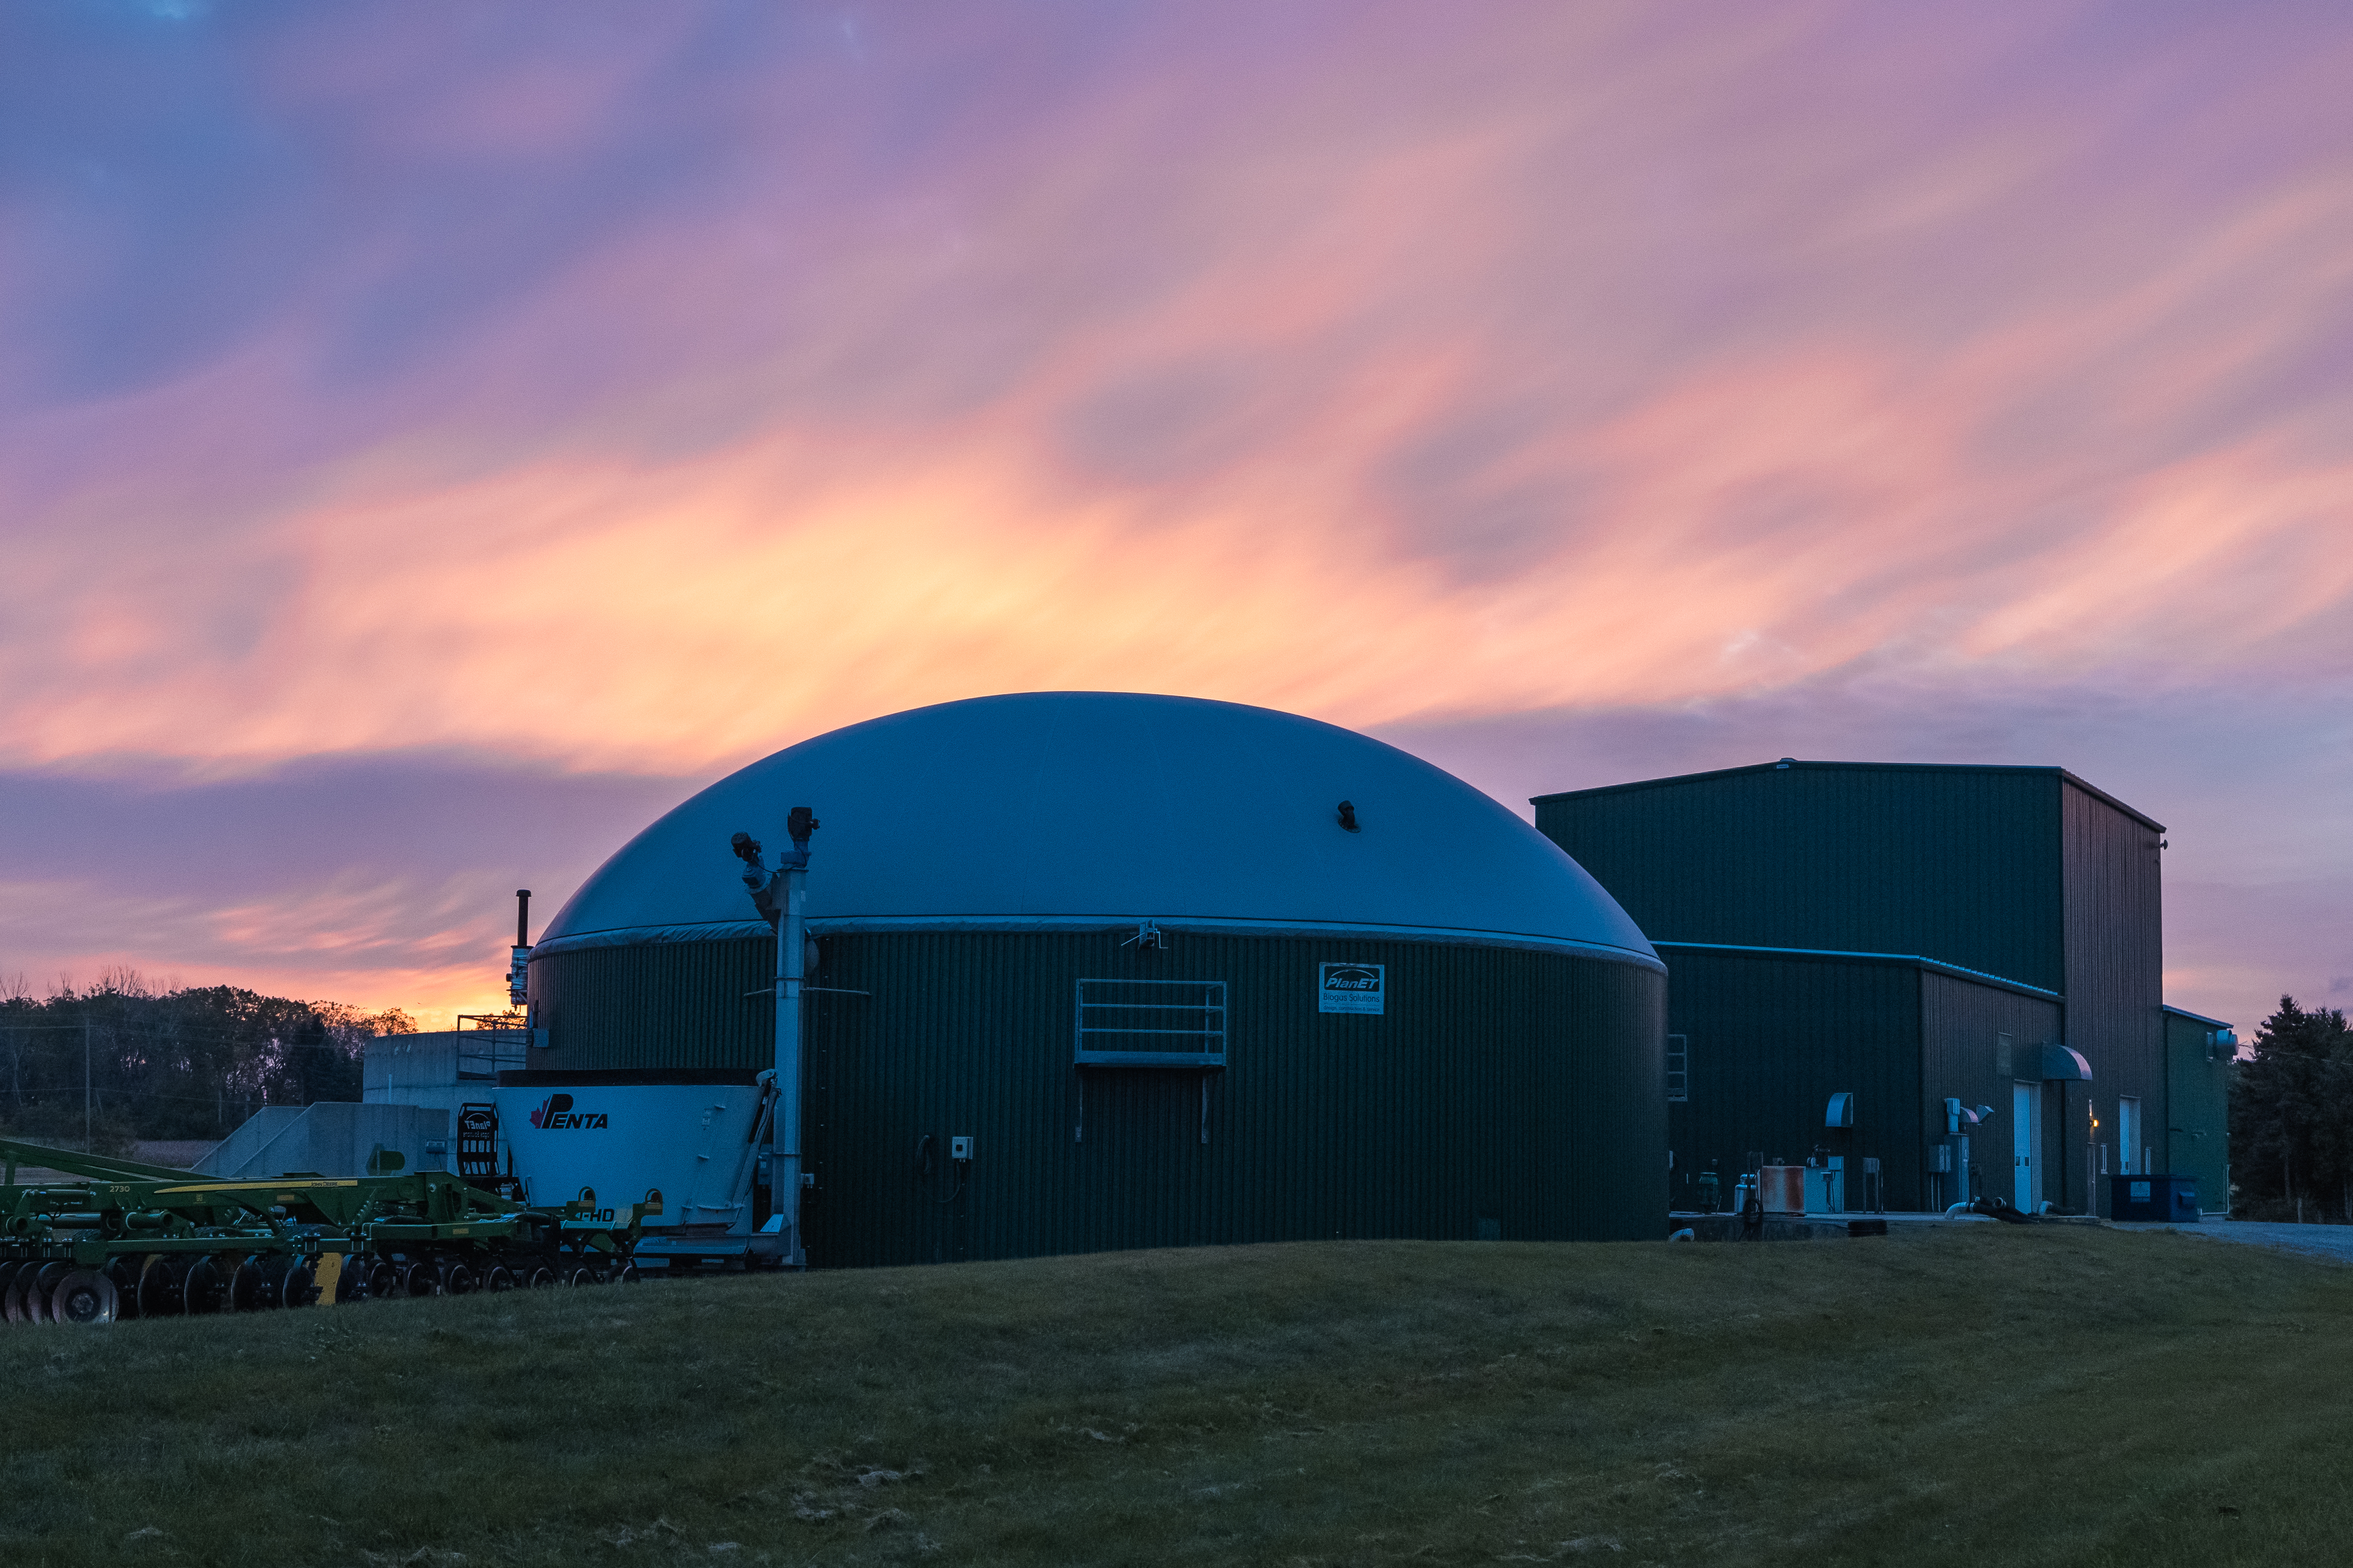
(1980, 1394)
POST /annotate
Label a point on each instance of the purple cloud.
(624, 393)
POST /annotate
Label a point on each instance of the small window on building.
(1152, 1024)
(1678, 1069)
(2004, 1051)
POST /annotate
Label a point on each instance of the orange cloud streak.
(1294, 404)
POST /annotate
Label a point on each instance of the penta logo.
(557, 1111)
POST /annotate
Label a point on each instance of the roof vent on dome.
(1348, 816)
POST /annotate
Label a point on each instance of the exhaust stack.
(519, 961)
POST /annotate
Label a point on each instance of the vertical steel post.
(791, 876)
(85, 1086)
(792, 940)
(792, 944)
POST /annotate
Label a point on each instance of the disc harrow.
(121, 1239)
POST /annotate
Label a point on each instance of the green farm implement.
(120, 1239)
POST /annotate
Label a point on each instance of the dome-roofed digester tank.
(1138, 950)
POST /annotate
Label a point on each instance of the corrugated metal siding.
(672, 1005)
(1963, 1056)
(1957, 864)
(1771, 1039)
(2196, 1114)
(2115, 940)
(1518, 1088)
(2023, 873)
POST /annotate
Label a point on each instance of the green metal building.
(1760, 1039)
(2199, 1052)
(1910, 934)
(1183, 972)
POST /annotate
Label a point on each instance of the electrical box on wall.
(960, 1149)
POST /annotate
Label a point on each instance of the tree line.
(118, 1062)
(2292, 1118)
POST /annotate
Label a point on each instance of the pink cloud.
(632, 399)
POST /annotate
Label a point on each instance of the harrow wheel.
(274, 1267)
(627, 1274)
(383, 1282)
(249, 1287)
(458, 1280)
(420, 1278)
(124, 1272)
(26, 1293)
(12, 1299)
(583, 1274)
(205, 1288)
(499, 1277)
(84, 1295)
(37, 1293)
(540, 1278)
(162, 1286)
(299, 1288)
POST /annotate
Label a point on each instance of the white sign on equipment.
(1350, 988)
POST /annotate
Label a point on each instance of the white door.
(2026, 1141)
(2130, 1160)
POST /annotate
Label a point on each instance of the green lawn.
(1982, 1395)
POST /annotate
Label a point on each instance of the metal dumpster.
(2172, 1199)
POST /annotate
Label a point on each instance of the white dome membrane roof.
(1079, 809)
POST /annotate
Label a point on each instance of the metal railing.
(1151, 1023)
(490, 1046)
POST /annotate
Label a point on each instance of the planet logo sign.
(1350, 988)
(556, 1112)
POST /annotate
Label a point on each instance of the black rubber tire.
(84, 1295)
(581, 1274)
(499, 1277)
(540, 1278)
(457, 1279)
(627, 1274)
(420, 1278)
(383, 1282)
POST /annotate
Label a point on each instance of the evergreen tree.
(2291, 1113)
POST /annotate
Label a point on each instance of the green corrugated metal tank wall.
(1494, 1096)
(978, 860)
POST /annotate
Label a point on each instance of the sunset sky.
(434, 439)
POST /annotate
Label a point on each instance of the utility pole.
(85, 1086)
